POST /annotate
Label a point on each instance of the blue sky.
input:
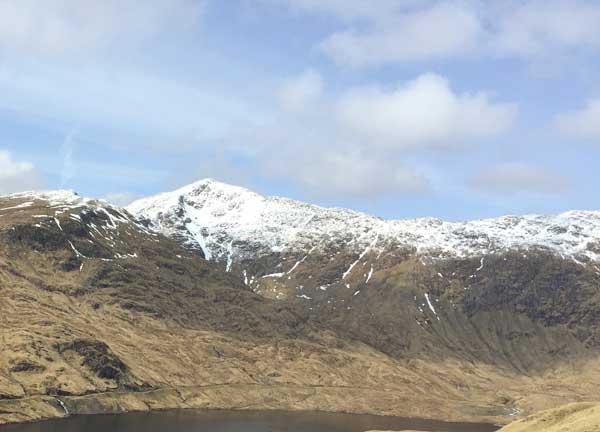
(401, 108)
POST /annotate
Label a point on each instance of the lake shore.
(182, 420)
(225, 397)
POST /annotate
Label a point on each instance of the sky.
(399, 108)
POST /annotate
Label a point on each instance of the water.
(240, 421)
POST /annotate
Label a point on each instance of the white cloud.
(584, 123)
(423, 112)
(542, 28)
(349, 9)
(62, 26)
(511, 178)
(440, 32)
(396, 31)
(366, 141)
(347, 174)
(331, 168)
(120, 198)
(17, 176)
(299, 92)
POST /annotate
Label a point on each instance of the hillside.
(583, 417)
(106, 311)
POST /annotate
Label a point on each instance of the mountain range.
(215, 296)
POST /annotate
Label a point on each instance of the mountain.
(230, 224)
(516, 295)
(216, 297)
(357, 271)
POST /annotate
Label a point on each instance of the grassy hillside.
(581, 417)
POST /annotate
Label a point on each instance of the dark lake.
(240, 421)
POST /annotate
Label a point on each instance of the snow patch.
(431, 306)
(274, 275)
(369, 275)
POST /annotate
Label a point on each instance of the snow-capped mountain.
(95, 229)
(231, 223)
(389, 281)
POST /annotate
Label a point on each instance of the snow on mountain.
(77, 217)
(230, 223)
(62, 201)
(53, 198)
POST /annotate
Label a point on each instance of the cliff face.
(103, 312)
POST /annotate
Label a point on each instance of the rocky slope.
(103, 311)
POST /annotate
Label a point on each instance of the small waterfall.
(62, 404)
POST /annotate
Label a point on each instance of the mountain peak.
(227, 222)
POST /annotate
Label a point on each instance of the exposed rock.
(97, 357)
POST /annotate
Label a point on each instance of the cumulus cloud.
(409, 37)
(359, 176)
(366, 141)
(422, 112)
(66, 26)
(534, 28)
(583, 123)
(326, 167)
(17, 176)
(511, 178)
(407, 31)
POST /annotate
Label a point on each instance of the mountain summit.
(230, 223)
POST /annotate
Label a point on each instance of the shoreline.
(36, 409)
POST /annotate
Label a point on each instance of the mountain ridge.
(147, 206)
(216, 213)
